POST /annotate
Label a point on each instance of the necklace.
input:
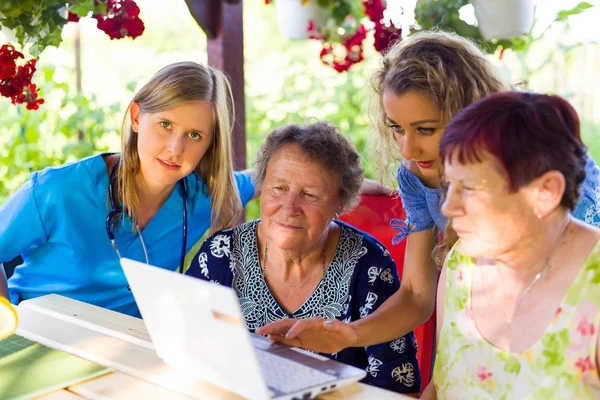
(264, 263)
(540, 273)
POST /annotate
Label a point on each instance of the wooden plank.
(118, 386)
(60, 395)
(123, 356)
(89, 316)
(360, 391)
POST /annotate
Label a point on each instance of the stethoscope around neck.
(117, 209)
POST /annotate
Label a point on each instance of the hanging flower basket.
(340, 25)
(503, 19)
(294, 17)
(39, 23)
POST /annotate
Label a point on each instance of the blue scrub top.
(57, 222)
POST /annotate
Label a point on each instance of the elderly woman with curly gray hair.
(299, 261)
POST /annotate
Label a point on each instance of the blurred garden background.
(285, 82)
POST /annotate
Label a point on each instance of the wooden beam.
(222, 21)
(226, 52)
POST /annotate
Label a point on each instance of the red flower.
(30, 96)
(15, 82)
(384, 36)
(8, 57)
(341, 56)
(72, 17)
(121, 19)
(134, 27)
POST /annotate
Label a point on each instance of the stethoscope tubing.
(116, 210)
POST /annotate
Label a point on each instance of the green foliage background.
(285, 83)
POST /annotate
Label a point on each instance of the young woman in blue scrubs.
(175, 167)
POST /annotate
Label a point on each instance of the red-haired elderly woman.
(519, 295)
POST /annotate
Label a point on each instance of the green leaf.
(131, 86)
(596, 278)
(578, 9)
(512, 365)
(82, 8)
(462, 28)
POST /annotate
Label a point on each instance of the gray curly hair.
(323, 143)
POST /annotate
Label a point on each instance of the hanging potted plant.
(293, 16)
(503, 19)
(39, 23)
(492, 32)
(342, 26)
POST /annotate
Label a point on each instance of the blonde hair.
(451, 70)
(170, 87)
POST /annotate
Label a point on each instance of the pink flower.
(483, 373)
(583, 329)
(584, 364)
(586, 327)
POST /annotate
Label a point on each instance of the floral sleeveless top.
(560, 365)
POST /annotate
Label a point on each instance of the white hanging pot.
(293, 17)
(503, 19)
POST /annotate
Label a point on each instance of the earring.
(538, 214)
(337, 215)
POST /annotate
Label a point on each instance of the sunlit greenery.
(285, 82)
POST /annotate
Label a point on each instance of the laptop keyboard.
(287, 376)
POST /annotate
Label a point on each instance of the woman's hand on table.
(316, 334)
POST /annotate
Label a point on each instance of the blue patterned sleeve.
(391, 365)
(418, 216)
(588, 207)
(212, 262)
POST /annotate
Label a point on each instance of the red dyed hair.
(529, 133)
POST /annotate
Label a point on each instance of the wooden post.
(222, 22)
(78, 86)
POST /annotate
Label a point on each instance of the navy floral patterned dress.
(360, 277)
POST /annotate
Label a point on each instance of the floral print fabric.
(359, 278)
(560, 365)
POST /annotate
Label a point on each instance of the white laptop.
(197, 327)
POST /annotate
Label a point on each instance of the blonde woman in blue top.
(173, 179)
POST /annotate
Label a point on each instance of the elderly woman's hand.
(316, 334)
